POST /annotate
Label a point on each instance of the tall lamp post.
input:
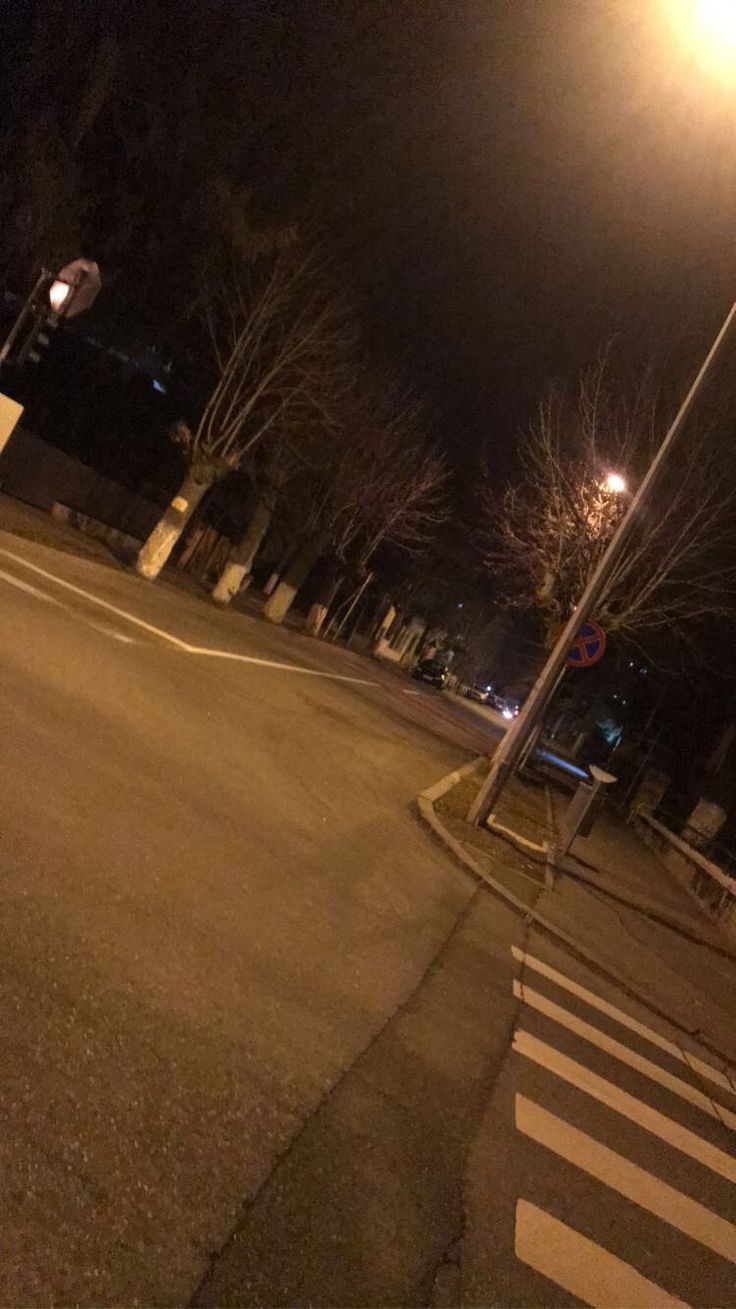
(707, 29)
(511, 748)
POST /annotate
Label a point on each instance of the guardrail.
(714, 890)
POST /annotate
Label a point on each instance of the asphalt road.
(262, 1042)
(216, 895)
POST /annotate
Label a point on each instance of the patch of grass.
(524, 812)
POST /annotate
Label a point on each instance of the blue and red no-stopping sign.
(588, 647)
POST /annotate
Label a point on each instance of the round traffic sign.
(588, 647)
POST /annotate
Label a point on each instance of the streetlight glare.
(615, 483)
(58, 295)
(716, 21)
(707, 29)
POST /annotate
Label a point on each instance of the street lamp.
(614, 483)
(516, 741)
(707, 31)
(708, 28)
(59, 293)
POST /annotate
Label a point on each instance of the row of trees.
(337, 454)
(335, 450)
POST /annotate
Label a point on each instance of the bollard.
(580, 812)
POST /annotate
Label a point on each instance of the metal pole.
(44, 276)
(510, 748)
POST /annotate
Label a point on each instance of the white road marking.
(619, 1016)
(26, 586)
(607, 1093)
(205, 651)
(625, 1055)
(110, 631)
(38, 594)
(86, 595)
(580, 1266)
(625, 1177)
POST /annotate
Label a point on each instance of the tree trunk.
(280, 601)
(240, 562)
(275, 577)
(349, 605)
(155, 551)
(328, 591)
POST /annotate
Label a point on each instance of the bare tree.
(381, 483)
(272, 337)
(542, 537)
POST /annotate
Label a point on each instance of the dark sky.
(548, 174)
(511, 183)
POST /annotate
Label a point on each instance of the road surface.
(261, 1042)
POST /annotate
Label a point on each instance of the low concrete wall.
(714, 890)
(41, 475)
(122, 543)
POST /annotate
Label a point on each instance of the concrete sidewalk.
(611, 894)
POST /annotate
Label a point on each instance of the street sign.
(589, 646)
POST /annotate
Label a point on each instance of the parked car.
(480, 693)
(431, 670)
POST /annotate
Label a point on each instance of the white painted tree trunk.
(281, 599)
(315, 619)
(154, 552)
(237, 569)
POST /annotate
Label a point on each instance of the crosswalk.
(628, 1138)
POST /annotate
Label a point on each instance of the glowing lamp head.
(706, 29)
(59, 293)
(614, 483)
(714, 21)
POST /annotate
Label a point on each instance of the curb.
(425, 804)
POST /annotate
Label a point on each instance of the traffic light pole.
(510, 749)
(28, 308)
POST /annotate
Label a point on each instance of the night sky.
(564, 175)
(509, 183)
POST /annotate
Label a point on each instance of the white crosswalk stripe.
(627, 1056)
(581, 1266)
(611, 1011)
(607, 1093)
(568, 1257)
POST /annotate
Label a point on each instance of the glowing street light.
(59, 293)
(714, 22)
(707, 30)
(614, 483)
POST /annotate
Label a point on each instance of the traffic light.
(53, 297)
(38, 337)
(19, 345)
